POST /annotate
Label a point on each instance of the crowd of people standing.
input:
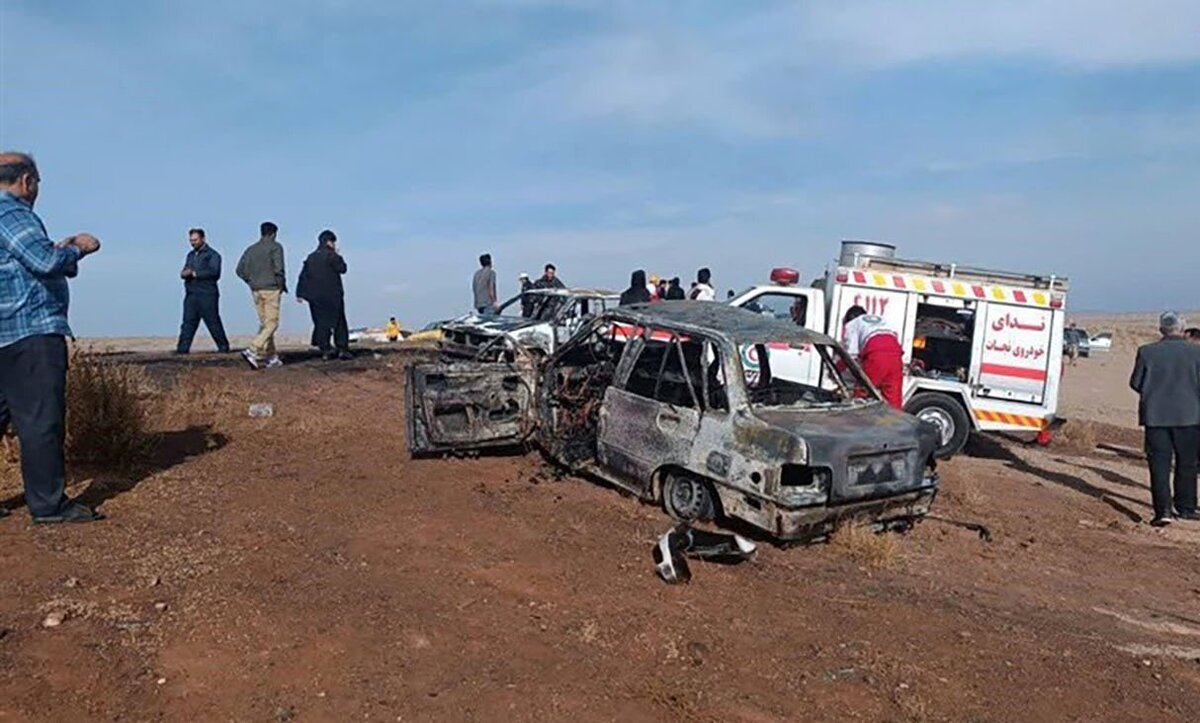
(262, 267)
(642, 289)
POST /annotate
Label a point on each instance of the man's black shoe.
(345, 355)
(1162, 521)
(72, 512)
(329, 356)
(226, 350)
(1192, 516)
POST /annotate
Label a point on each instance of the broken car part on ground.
(676, 403)
(681, 542)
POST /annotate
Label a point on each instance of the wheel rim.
(687, 498)
(941, 419)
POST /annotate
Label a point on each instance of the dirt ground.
(302, 567)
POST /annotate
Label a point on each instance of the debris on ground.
(682, 542)
(262, 409)
(977, 527)
(54, 619)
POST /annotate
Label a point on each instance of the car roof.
(740, 325)
(587, 293)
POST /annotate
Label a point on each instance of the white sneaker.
(250, 357)
(274, 362)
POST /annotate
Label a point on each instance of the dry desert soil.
(303, 567)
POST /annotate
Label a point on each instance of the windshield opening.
(528, 305)
(794, 374)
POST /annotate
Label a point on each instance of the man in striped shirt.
(33, 339)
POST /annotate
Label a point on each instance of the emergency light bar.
(783, 276)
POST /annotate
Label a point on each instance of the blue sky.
(1045, 136)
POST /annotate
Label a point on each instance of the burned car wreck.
(536, 321)
(675, 402)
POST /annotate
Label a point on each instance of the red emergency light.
(784, 276)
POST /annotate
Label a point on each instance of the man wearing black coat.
(201, 296)
(1166, 376)
(321, 286)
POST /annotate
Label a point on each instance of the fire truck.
(982, 348)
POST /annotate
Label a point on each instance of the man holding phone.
(34, 300)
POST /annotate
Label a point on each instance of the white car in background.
(1101, 342)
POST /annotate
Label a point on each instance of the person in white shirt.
(703, 290)
(876, 348)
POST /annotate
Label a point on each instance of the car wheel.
(948, 415)
(687, 498)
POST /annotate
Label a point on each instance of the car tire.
(948, 415)
(687, 498)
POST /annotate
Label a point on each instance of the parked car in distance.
(676, 403)
(537, 320)
(1101, 342)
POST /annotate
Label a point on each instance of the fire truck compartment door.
(1014, 361)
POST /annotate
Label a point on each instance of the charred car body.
(675, 402)
(537, 320)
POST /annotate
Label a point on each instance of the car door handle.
(669, 417)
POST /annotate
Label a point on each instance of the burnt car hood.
(495, 325)
(838, 438)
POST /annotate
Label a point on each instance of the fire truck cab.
(982, 348)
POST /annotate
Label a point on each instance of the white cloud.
(1085, 33)
(662, 77)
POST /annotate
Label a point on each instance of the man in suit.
(1166, 375)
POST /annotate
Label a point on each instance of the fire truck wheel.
(945, 413)
(687, 498)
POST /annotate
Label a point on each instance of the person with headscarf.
(637, 293)
(675, 290)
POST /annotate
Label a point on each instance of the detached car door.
(468, 405)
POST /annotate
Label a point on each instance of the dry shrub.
(1076, 437)
(857, 540)
(960, 487)
(108, 414)
(191, 401)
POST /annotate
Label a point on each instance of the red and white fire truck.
(982, 348)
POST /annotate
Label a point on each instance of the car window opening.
(842, 383)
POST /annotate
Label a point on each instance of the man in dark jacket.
(321, 286)
(675, 291)
(1166, 375)
(549, 279)
(201, 296)
(261, 267)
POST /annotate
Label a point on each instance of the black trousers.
(1182, 444)
(206, 308)
(329, 320)
(33, 397)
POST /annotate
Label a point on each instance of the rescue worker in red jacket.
(877, 350)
